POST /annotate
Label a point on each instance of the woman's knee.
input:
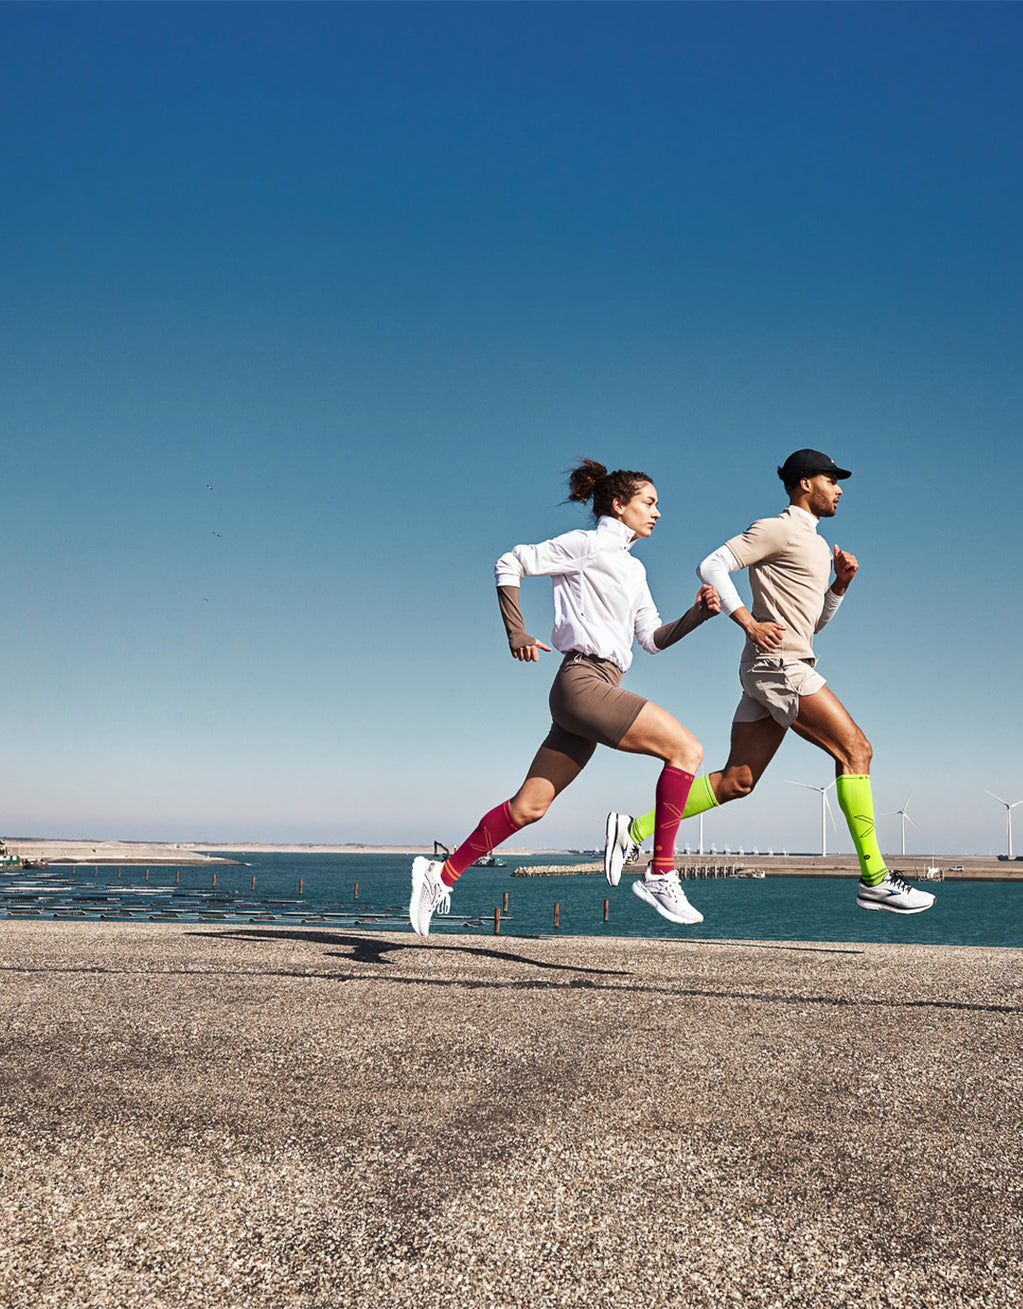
(695, 757)
(686, 753)
(526, 809)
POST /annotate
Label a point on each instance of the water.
(772, 909)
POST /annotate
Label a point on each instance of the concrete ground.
(250, 1117)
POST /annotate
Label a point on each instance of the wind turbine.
(904, 815)
(825, 809)
(1008, 815)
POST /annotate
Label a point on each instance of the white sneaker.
(619, 847)
(664, 893)
(429, 894)
(895, 894)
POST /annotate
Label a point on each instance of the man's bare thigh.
(753, 746)
(823, 720)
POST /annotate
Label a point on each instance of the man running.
(789, 568)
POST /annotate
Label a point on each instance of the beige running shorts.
(771, 687)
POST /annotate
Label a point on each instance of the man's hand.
(768, 636)
(708, 599)
(530, 653)
(845, 570)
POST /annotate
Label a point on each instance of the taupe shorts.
(771, 687)
(589, 707)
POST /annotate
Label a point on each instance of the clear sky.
(307, 309)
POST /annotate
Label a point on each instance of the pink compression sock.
(671, 795)
(493, 828)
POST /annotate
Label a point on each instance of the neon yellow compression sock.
(857, 801)
(701, 798)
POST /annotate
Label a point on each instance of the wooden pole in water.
(557, 909)
(356, 890)
(147, 874)
(214, 880)
(177, 876)
(505, 902)
(118, 873)
(497, 922)
(605, 911)
(253, 881)
(300, 881)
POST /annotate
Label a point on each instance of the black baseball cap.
(809, 463)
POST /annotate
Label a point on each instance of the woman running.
(601, 602)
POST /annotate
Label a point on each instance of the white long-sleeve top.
(601, 597)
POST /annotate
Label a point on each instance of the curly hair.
(590, 480)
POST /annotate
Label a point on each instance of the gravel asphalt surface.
(248, 1116)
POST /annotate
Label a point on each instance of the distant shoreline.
(88, 852)
(57, 851)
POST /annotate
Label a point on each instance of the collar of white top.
(806, 514)
(618, 529)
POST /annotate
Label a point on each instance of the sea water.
(371, 891)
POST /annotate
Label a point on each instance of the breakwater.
(917, 868)
(686, 871)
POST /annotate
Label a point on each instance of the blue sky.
(377, 274)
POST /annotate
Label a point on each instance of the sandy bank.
(268, 1117)
(111, 852)
(251, 847)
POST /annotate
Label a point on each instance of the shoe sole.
(610, 850)
(419, 865)
(891, 908)
(638, 889)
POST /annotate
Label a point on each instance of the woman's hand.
(530, 652)
(708, 599)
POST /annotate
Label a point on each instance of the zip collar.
(616, 528)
